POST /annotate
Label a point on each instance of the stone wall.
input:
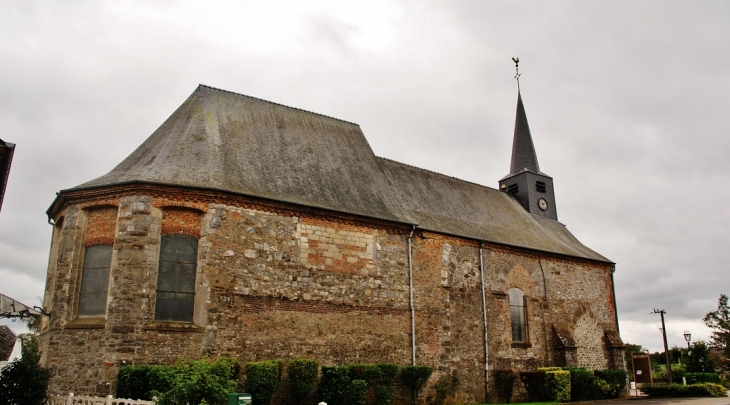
(285, 282)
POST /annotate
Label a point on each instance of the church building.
(249, 229)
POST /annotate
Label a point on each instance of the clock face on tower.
(543, 204)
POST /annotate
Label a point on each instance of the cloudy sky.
(627, 102)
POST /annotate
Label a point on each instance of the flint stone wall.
(281, 282)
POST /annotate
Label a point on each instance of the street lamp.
(688, 338)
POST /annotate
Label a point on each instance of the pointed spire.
(523, 151)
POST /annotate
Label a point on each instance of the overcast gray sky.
(627, 102)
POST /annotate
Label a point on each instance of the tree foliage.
(719, 322)
(700, 359)
(24, 381)
(629, 349)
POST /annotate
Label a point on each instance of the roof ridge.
(274, 103)
(437, 173)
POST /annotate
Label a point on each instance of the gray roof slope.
(223, 140)
(449, 205)
(524, 157)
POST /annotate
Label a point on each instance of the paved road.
(646, 401)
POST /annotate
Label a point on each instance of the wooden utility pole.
(666, 349)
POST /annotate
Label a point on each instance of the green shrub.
(615, 378)
(133, 382)
(388, 370)
(384, 393)
(557, 385)
(504, 380)
(198, 381)
(24, 381)
(142, 382)
(679, 390)
(599, 389)
(414, 378)
(581, 384)
(334, 384)
(368, 372)
(262, 380)
(302, 378)
(534, 382)
(693, 378)
(357, 392)
(546, 369)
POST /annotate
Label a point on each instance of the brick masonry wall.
(101, 224)
(285, 282)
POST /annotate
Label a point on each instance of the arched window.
(176, 278)
(95, 281)
(518, 315)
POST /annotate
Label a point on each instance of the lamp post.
(688, 338)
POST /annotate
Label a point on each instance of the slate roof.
(7, 342)
(524, 157)
(227, 141)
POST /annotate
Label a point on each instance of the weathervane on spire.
(517, 69)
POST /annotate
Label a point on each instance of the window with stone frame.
(518, 315)
(176, 278)
(95, 281)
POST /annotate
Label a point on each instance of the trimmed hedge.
(384, 392)
(303, 375)
(414, 378)
(357, 392)
(365, 371)
(262, 380)
(534, 381)
(199, 382)
(679, 390)
(505, 382)
(615, 378)
(546, 369)
(352, 383)
(693, 378)
(334, 383)
(133, 382)
(557, 385)
(191, 382)
(582, 386)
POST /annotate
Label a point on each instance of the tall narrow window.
(517, 313)
(176, 278)
(95, 281)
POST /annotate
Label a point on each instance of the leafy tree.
(700, 359)
(675, 354)
(629, 349)
(24, 381)
(719, 322)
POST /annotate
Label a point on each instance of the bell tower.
(532, 188)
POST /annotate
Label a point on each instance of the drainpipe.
(484, 313)
(410, 292)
